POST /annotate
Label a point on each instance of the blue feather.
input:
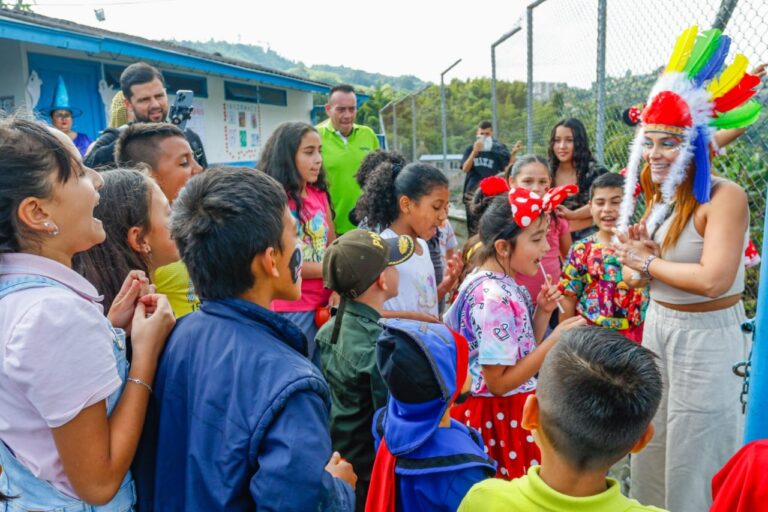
(715, 64)
(702, 181)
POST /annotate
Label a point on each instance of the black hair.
(597, 393)
(484, 125)
(125, 202)
(139, 143)
(373, 159)
(496, 223)
(278, 159)
(138, 73)
(582, 156)
(607, 180)
(385, 186)
(221, 220)
(345, 88)
(514, 170)
(30, 156)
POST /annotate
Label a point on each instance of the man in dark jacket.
(144, 89)
(242, 414)
(485, 157)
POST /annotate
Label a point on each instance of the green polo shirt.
(357, 389)
(341, 159)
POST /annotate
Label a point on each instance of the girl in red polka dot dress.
(504, 330)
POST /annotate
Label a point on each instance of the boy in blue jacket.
(425, 460)
(242, 414)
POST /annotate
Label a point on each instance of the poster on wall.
(197, 122)
(242, 131)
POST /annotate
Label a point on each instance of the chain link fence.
(556, 67)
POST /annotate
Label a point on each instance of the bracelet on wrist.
(647, 264)
(140, 382)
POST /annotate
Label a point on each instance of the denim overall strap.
(16, 480)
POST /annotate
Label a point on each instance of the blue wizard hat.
(61, 100)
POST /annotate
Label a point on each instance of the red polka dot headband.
(527, 206)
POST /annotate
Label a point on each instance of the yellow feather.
(729, 78)
(682, 51)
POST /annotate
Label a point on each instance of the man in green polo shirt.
(361, 267)
(345, 144)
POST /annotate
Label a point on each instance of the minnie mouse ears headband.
(526, 206)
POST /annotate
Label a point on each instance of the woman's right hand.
(567, 325)
(153, 321)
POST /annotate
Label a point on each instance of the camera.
(181, 110)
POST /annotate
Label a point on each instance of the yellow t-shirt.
(173, 281)
(531, 493)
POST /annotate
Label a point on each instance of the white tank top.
(688, 249)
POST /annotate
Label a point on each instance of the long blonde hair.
(685, 202)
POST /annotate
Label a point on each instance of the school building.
(237, 104)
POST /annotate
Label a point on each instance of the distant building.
(542, 91)
(237, 104)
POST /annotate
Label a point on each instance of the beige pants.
(699, 424)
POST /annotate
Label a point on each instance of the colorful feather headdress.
(693, 97)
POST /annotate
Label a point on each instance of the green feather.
(705, 46)
(740, 117)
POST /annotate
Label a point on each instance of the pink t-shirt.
(56, 359)
(551, 261)
(313, 233)
(494, 314)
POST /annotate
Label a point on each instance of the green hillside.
(321, 72)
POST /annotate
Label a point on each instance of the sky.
(424, 37)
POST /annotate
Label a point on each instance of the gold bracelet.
(140, 382)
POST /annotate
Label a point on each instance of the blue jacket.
(242, 417)
(435, 466)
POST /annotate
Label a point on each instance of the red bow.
(527, 206)
(493, 186)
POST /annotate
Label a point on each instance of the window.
(255, 94)
(173, 81)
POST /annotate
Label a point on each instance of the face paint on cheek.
(295, 264)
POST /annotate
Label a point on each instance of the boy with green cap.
(360, 267)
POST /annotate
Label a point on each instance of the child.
(292, 156)
(424, 460)
(410, 201)
(136, 217)
(361, 267)
(596, 396)
(532, 172)
(164, 148)
(497, 317)
(592, 280)
(242, 420)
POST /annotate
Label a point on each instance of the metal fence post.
(413, 127)
(494, 103)
(601, 36)
(443, 117)
(757, 400)
(529, 80)
(724, 13)
(394, 126)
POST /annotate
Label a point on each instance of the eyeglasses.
(62, 115)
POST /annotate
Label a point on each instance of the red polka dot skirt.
(498, 421)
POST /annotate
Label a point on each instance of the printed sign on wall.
(242, 131)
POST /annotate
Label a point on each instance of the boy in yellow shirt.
(596, 396)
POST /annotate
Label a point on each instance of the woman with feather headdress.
(689, 250)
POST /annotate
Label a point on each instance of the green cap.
(354, 260)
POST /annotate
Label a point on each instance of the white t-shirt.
(56, 359)
(418, 289)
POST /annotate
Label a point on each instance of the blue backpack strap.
(26, 282)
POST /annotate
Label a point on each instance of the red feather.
(743, 91)
(493, 186)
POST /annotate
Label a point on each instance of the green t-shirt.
(341, 159)
(531, 493)
(173, 281)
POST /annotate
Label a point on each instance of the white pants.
(699, 424)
